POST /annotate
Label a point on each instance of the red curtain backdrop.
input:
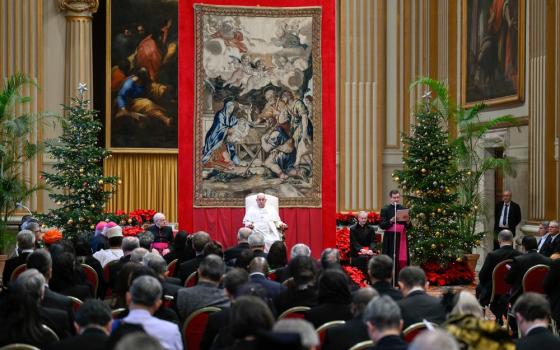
(312, 226)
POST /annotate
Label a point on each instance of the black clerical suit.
(519, 266)
(538, 338)
(513, 217)
(161, 234)
(361, 237)
(387, 213)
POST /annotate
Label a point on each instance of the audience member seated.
(40, 259)
(302, 291)
(128, 245)
(551, 285)
(333, 300)
(354, 330)
(199, 240)
(307, 335)
(436, 339)
(138, 341)
(532, 312)
(484, 288)
(380, 271)
(143, 300)
(277, 255)
(256, 243)
(171, 285)
(93, 323)
(417, 305)
(542, 235)
(231, 254)
(146, 241)
(20, 312)
(31, 224)
(219, 321)
(69, 279)
(99, 241)
(163, 234)
(249, 317)
(180, 249)
(244, 259)
(85, 256)
(552, 243)
(207, 291)
(330, 259)
(25, 244)
(521, 264)
(467, 324)
(115, 252)
(258, 269)
(298, 249)
(384, 323)
(122, 284)
(362, 242)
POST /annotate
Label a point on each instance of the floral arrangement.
(347, 218)
(343, 243)
(356, 275)
(132, 230)
(453, 273)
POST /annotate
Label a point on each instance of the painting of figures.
(142, 43)
(258, 105)
(493, 61)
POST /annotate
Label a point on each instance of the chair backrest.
(295, 312)
(168, 301)
(271, 201)
(288, 281)
(413, 330)
(91, 276)
(118, 313)
(76, 303)
(107, 277)
(533, 279)
(363, 345)
(192, 280)
(49, 330)
(18, 346)
(499, 285)
(194, 326)
(171, 268)
(17, 271)
(322, 330)
(272, 275)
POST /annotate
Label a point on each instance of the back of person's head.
(41, 260)
(412, 276)
(384, 314)
(212, 267)
(306, 331)
(32, 282)
(505, 236)
(256, 240)
(380, 267)
(93, 312)
(258, 264)
(213, 247)
(199, 240)
(277, 255)
(179, 241)
(129, 244)
(330, 259)
(434, 339)
(64, 267)
(361, 299)
(29, 223)
(234, 279)
(466, 303)
(115, 242)
(155, 262)
(300, 249)
(303, 269)
(138, 341)
(532, 306)
(145, 290)
(333, 287)
(244, 258)
(138, 255)
(25, 239)
(243, 234)
(145, 240)
(249, 316)
(82, 246)
(529, 243)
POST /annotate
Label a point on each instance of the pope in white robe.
(265, 221)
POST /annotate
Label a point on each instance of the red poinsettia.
(374, 218)
(345, 218)
(356, 275)
(132, 230)
(343, 243)
(457, 272)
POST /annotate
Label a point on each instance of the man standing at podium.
(394, 231)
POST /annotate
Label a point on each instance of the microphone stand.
(395, 246)
(20, 205)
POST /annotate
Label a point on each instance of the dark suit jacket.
(385, 288)
(272, 288)
(484, 288)
(514, 216)
(115, 268)
(282, 274)
(294, 297)
(58, 301)
(90, 339)
(323, 313)
(345, 336)
(218, 323)
(11, 265)
(391, 342)
(538, 339)
(188, 267)
(202, 295)
(519, 266)
(57, 320)
(234, 252)
(551, 286)
(163, 234)
(551, 247)
(361, 236)
(418, 305)
(387, 213)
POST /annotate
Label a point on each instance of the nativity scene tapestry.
(258, 125)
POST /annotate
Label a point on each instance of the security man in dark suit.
(532, 312)
(507, 215)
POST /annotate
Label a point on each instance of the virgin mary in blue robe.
(224, 120)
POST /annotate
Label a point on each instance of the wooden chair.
(76, 303)
(295, 312)
(171, 268)
(288, 281)
(363, 345)
(413, 330)
(499, 285)
(272, 275)
(533, 279)
(107, 278)
(168, 301)
(91, 276)
(118, 313)
(192, 280)
(194, 326)
(49, 330)
(322, 330)
(17, 271)
(18, 346)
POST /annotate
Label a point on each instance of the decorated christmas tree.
(429, 182)
(81, 189)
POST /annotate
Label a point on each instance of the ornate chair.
(363, 345)
(272, 275)
(91, 276)
(107, 277)
(413, 330)
(51, 332)
(533, 279)
(17, 271)
(499, 285)
(192, 280)
(168, 301)
(322, 330)
(118, 313)
(18, 346)
(194, 326)
(171, 268)
(295, 312)
(76, 303)
(271, 202)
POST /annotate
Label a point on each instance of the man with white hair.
(242, 244)
(265, 221)
(299, 249)
(163, 234)
(257, 244)
(25, 243)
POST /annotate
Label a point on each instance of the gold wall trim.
(550, 171)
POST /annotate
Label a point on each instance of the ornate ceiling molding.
(79, 7)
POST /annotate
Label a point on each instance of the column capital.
(78, 7)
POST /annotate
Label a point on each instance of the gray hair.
(41, 260)
(25, 239)
(467, 304)
(212, 267)
(158, 216)
(361, 299)
(138, 254)
(243, 234)
(256, 240)
(138, 341)
(505, 236)
(30, 225)
(383, 313)
(145, 239)
(145, 290)
(130, 243)
(199, 240)
(436, 339)
(32, 282)
(305, 330)
(155, 262)
(300, 249)
(330, 258)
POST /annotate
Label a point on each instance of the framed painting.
(257, 125)
(493, 52)
(141, 89)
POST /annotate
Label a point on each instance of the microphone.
(20, 205)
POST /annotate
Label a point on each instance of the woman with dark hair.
(277, 255)
(334, 299)
(249, 317)
(180, 249)
(84, 255)
(69, 279)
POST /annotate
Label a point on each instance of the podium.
(399, 253)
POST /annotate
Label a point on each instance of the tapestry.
(258, 118)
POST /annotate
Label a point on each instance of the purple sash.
(402, 255)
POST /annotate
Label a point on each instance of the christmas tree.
(429, 182)
(78, 176)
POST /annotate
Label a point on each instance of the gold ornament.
(477, 242)
(81, 170)
(70, 222)
(439, 210)
(423, 171)
(433, 246)
(459, 259)
(100, 182)
(130, 221)
(119, 182)
(396, 178)
(92, 227)
(93, 205)
(58, 203)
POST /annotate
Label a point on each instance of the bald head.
(243, 234)
(258, 264)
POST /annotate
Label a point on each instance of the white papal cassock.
(266, 222)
